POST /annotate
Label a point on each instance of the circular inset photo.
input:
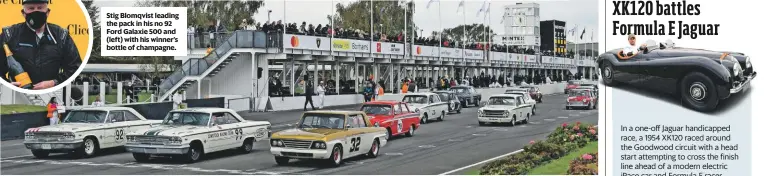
(45, 44)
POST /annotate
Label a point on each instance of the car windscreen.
(415, 99)
(331, 121)
(524, 94)
(85, 117)
(501, 101)
(376, 109)
(187, 118)
(461, 90)
(443, 96)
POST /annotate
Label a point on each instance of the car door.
(523, 108)
(658, 74)
(354, 140)
(234, 124)
(131, 123)
(628, 70)
(115, 133)
(397, 119)
(438, 106)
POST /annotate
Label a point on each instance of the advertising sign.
(429, 51)
(474, 54)
(531, 58)
(498, 56)
(547, 59)
(306, 42)
(451, 52)
(351, 45)
(388, 48)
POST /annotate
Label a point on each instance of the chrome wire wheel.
(697, 91)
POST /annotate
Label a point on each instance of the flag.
(582, 34)
(430, 3)
(481, 9)
(573, 30)
(502, 20)
(489, 8)
(460, 6)
(591, 35)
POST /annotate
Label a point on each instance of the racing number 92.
(355, 144)
(119, 134)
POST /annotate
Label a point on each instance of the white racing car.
(85, 131)
(188, 134)
(526, 97)
(428, 105)
(505, 108)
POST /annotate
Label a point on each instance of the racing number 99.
(355, 144)
(239, 133)
(119, 134)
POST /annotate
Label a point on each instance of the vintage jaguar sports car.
(700, 78)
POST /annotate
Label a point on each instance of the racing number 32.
(355, 144)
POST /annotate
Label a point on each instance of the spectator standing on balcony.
(98, 103)
(53, 114)
(200, 35)
(302, 29)
(191, 33)
(244, 24)
(265, 27)
(212, 31)
(310, 31)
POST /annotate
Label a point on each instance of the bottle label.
(23, 78)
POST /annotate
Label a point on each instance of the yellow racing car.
(328, 135)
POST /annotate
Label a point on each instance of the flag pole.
(371, 23)
(464, 29)
(405, 21)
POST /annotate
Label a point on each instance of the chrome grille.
(296, 143)
(49, 135)
(151, 140)
(494, 112)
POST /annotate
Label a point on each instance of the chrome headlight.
(748, 62)
(736, 69)
(175, 140)
(417, 110)
(276, 143)
(507, 113)
(69, 135)
(480, 112)
(376, 124)
(318, 145)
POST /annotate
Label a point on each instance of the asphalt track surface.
(437, 147)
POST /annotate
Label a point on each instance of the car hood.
(306, 133)
(67, 127)
(175, 130)
(379, 118)
(413, 106)
(571, 86)
(498, 107)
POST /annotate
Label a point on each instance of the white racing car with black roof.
(188, 134)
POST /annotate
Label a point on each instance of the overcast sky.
(581, 13)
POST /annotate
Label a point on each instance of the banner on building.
(388, 48)
(306, 42)
(347, 45)
(451, 53)
(474, 54)
(531, 58)
(427, 51)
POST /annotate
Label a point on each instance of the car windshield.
(187, 118)
(443, 96)
(331, 121)
(579, 93)
(416, 99)
(376, 109)
(460, 90)
(86, 117)
(501, 101)
(530, 89)
(518, 93)
(515, 90)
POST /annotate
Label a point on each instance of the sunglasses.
(632, 38)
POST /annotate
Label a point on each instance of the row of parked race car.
(189, 134)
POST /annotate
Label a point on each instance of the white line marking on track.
(393, 154)
(535, 123)
(549, 120)
(14, 157)
(454, 140)
(147, 166)
(484, 161)
(500, 129)
(574, 115)
(563, 117)
(479, 134)
(426, 146)
(469, 126)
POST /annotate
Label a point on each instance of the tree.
(96, 54)
(475, 33)
(207, 12)
(388, 13)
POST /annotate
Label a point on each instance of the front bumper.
(54, 146)
(577, 104)
(744, 85)
(302, 153)
(494, 119)
(158, 149)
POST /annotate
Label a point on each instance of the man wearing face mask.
(44, 50)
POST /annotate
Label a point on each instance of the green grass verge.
(473, 172)
(561, 165)
(17, 108)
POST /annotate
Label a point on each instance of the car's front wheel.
(534, 110)
(89, 148)
(608, 74)
(410, 131)
(336, 156)
(699, 92)
(374, 149)
(477, 103)
(423, 118)
(194, 154)
(514, 121)
(246, 146)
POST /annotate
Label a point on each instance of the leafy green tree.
(207, 12)
(96, 55)
(475, 33)
(390, 14)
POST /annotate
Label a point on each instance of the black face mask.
(36, 19)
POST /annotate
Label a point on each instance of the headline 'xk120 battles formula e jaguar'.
(701, 78)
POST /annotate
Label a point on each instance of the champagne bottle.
(16, 71)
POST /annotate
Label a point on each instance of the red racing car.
(392, 115)
(582, 98)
